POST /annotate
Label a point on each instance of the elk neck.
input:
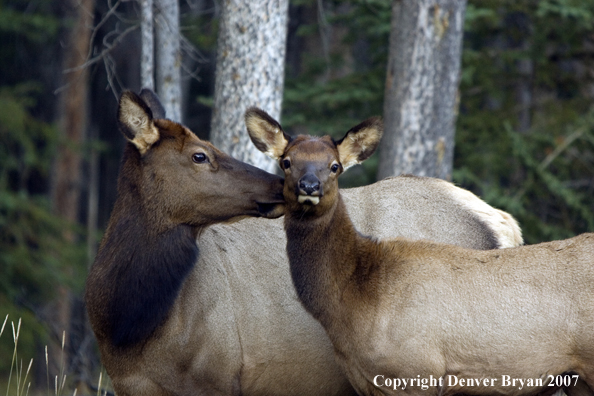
(149, 261)
(328, 259)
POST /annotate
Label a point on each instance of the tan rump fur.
(504, 225)
(423, 205)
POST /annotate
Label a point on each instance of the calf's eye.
(334, 168)
(286, 163)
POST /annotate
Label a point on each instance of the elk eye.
(199, 158)
(286, 163)
(334, 168)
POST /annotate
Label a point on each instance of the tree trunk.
(250, 72)
(421, 98)
(147, 59)
(168, 57)
(66, 183)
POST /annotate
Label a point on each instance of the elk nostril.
(309, 187)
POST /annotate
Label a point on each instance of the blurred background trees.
(524, 123)
(422, 78)
(250, 71)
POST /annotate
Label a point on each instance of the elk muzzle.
(274, 207)
(309, 189)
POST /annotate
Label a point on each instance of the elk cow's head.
(181, 179)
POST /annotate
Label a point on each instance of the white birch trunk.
(420, 105)
(168, 58)
(250, 72)
(147, 58)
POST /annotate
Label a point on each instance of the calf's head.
(312, 164)
(180, 179)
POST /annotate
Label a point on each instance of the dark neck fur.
(323, 254)
(138, 272)
(143, 274)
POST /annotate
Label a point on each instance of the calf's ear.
(266, 133)
(360, 142)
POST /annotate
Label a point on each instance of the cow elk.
(425, 318)
(185, 300)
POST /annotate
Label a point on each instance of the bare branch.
(566, 143)
(90, 60)
(106, 51)
(110, 12)
(109, 69)
(110, 43)
(191, 51)
(191, 72)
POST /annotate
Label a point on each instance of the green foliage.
(34, 254)
(324, 97)
(577, 11)
(543, 173)
(319, 102)
(201, 30)
(32, 26)
(329, 97)
(33, 251)
(28, 32)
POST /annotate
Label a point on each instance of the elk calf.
(400, 310)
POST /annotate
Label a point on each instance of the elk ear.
(360, 142)
(135, 120)
(266, 133)
(153, 102)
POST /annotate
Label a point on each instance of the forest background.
(524, 131)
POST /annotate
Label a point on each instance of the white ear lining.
(266, 137)
(141, 130)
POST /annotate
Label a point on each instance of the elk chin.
(308, 199)
(271, 210)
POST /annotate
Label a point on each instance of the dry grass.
(19, 383)
(16, 366)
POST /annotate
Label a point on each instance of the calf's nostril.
(309, 184)
(309, 187)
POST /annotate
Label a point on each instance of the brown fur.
(235, 325)
(402, 308)
(165, 199)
